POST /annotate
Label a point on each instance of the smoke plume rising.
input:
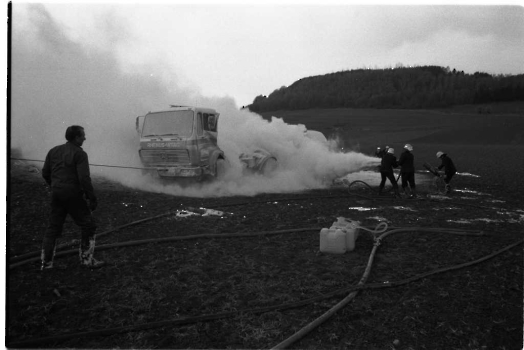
(58, 81)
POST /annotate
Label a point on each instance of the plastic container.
(333, 240)
(350, 229)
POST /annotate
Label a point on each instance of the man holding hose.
(407, 171)
(449, 169)
(66, 171)
(389, 161)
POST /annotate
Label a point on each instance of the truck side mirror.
(139, 124)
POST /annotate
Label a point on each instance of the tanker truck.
(182, 143)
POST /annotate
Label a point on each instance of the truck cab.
(180, 142)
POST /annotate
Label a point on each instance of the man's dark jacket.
(406, 162)
(447, 163)
(389, 161)
(66, 169)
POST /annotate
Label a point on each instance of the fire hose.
(353, 289)
(418, 198)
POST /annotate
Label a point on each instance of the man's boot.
(48, 253)
(413, 193)
(86, 251)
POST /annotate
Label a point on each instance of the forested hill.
(402, 87)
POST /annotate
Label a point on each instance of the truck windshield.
(170, 123)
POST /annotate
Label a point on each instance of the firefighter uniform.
(389, 161)
(449, 169)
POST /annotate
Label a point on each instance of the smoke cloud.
(58, 81)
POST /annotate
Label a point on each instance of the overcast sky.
(241, 51)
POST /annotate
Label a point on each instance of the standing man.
(449, 169)
(407, 171)
(389, 161)
(66, 171)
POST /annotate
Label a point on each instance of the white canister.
(350, 228)
(333, 240)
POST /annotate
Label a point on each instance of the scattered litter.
(468, 174)
(184, 213)
(460, 221)
(496, 201)
(361, 208)
(471, 191)
(199, 211)
(463, 221)
(519, 219)
(436, 196)
(213, 212)
(378, 218)
(57, 293)
(404, 208)
(488, 220)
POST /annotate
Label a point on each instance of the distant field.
(364, 129)
(490, 145)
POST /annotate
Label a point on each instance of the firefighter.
(449, 169)
(407, 171)
(66, 171)
(389, 161)
(379, 153)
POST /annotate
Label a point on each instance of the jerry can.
(350, 228)
(333, 240)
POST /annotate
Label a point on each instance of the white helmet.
(408, 147)
(440, 154)
(391, 150)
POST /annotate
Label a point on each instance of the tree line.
(399, 87)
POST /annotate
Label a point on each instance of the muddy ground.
(225, 291)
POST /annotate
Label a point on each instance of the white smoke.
(57, 82)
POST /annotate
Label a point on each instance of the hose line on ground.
(317, 322)
(98, 235)
(169, 239)
(207, 235)
(211, 317)
(418, 198)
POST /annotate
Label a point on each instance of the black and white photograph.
(264, 175)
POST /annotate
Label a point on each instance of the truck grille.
(164, 157)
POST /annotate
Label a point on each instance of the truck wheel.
(221, 168)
